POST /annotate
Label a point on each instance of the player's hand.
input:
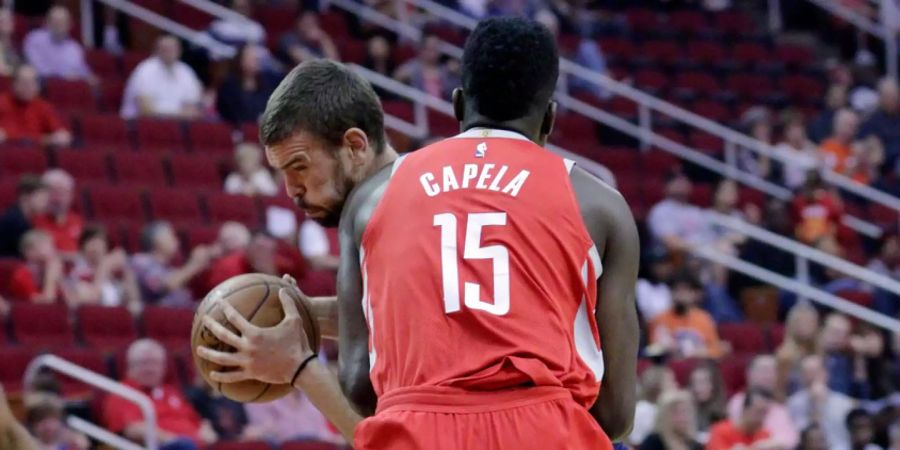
(270, 355)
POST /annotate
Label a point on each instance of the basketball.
(254, 296)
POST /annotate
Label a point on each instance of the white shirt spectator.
(652, 299)
(798, 163)
(830, 415)
(313, 240)
(261, 181)
(53, 57)
(169, 90)
(683, 220)
(644, 421)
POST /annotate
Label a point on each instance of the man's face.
(25, 86)
(60, 195)
(250, 60)
(836, 334)
(812, 372)
(166, 243)
(7, 22)
(861, 431)
(59, 23)
(169, 50)
(846, 125)
(95, 249)
(685, 295)
(431, 52)
(316, 176)
(679, 189)
(148, 368)
(38, 201)
(763, 374)
(41, 250)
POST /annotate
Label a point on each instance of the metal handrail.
(217, 10)
(86, 376)
(647, 102)
(866, 25)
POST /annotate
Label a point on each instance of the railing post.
(775, 16)
(87, 22)
(420, 116)
(731, 163)
(802, 272)
(645, 121)
(890, 52)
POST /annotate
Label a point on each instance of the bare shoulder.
(603, 208)
(362, 201)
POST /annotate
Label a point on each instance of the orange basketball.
(255, 296)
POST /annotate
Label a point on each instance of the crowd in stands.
(819, 381)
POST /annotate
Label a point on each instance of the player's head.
(324, 129)
(146, 362)
(509, 72)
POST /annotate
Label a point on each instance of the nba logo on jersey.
(480, 150)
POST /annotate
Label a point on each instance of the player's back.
(479, 273)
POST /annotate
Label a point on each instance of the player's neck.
(384, 158)
(520, 126)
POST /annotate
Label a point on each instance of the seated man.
(60, 222)
(31, 202)
(24, 116)
(762, 374)
(162, 85)
(40, 278)
(178, 425)
(686, 331)
(53, 52)
(160, 282)
(747, 431)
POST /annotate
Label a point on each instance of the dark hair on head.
(148, 234)
(854, 415)
(754, 393)
(509, 68)
(686, 278)
(326, 99)
(29, 184)
(89, 233)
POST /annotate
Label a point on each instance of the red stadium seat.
(706, 52)
(651, 80)
(682, 369)
(159, 135)
(794, 55)
(733, 22)
(200, 235)
(734, 372)
(653, 190)
(111, 92)
(214, 137)
(224, 207)
(643, 20)
(169, 326)
(22, 160)
(884, 216)
(191, 17)
(15, 360)
(104, 327)
(744, 337)
(249, 132)
(776, 336)
(200, 170)
(130, 60)
(618, 48)
(802, 87)
(242, 445)
(706, 143)
(618, 159)
(7, 267)
(8, 191)
(701, 83)
(102, 63)
(116, 202)
(399, 108)
(277, 18)
(712, 110)
(748, 85)
(71, 95)
(658, 162)
(139, 169)
(335, 22)
(352, 50)
(41, 326)
(85, 166)
(441, 124)
(687, 21)
(89, 359)
(310, 445)
(750, 53)
(861, 298)
(664, 52)
(106, 130)
(702, 195)
(177, 205)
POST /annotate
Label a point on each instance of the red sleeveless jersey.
(478, 271)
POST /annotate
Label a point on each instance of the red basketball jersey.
(479, 273)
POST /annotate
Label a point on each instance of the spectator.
(587, 54)
(837, 148)
(426, 71)
(756, 122)
(871, 363)
(887, 263)
(655, 381)
(379, 59)
(54, 53)
(835, 100)
(676, 424)
(60, 222)
(893, 362)
(762, 374)
(800, 341)
(652, 293)
(40, 279)
(236, 32)
(32, 199)
(43, 417)
(801, 153)
(719, 302)
(862, 430)
(686, 331)
(316, 247)
(817, 211)
(884, 123)
(24, 116)
(289, 418)
(251, 178)
(101, 276)
(894, 436)
(747, 430)
(816, 403)
(227, 417)
(178, 425)
(9, 54)
(12, 434)
(243, 96)
(674, 223)
(163, 86)
(160, 282)
(259, 253)
(813, 438)
(306, 41)
(838, 357)
(708, 391)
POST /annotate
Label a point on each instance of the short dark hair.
(854, 415)
(90, 232)
(686, 278)
(29, 184)
(326, 99)
(509, 67)
(754, 393)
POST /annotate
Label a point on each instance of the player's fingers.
(223, 334)
(228, 377)
(288, 304)
(236, 319)
(290, 280)
(227, 359)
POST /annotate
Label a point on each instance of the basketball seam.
(256, 309)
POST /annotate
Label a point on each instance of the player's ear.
(549, 119)
(459, 104)
(358, 143)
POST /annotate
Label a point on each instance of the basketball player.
(471, 299)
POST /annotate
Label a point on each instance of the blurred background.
(757, 143)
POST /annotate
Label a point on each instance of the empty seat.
(618, 48)
(169, 326)
(21, 160)
(224, 207)
(138, 169)
(701, 83)
(8, 190)
(640, 19)
(750, 53)
(104, 327)
(111, 93)
(116, 202)
(707, 143)
(744, 337)
(618, 159)
(651, 80)
(658, 162)
(177, 205)
(687, 21)
(85, 166)
(802, 87)
(748, 85)
(776, 336)
(712, 110)
(210, 137)
(102, 63)
(706, 52)
(249, 132)
(191, 17)
(664, 51)
(89, 359)
(106, 130)
(159, 135)
(130, 60)
(200, 235)
(734, 372)
(733, 22)
(701, 195)
(71, 95)
(794, 55)
(200, 170)
(441, 124)
(41, 326)
(15, 360)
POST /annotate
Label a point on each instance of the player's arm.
(325, 310)
(611, 225)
